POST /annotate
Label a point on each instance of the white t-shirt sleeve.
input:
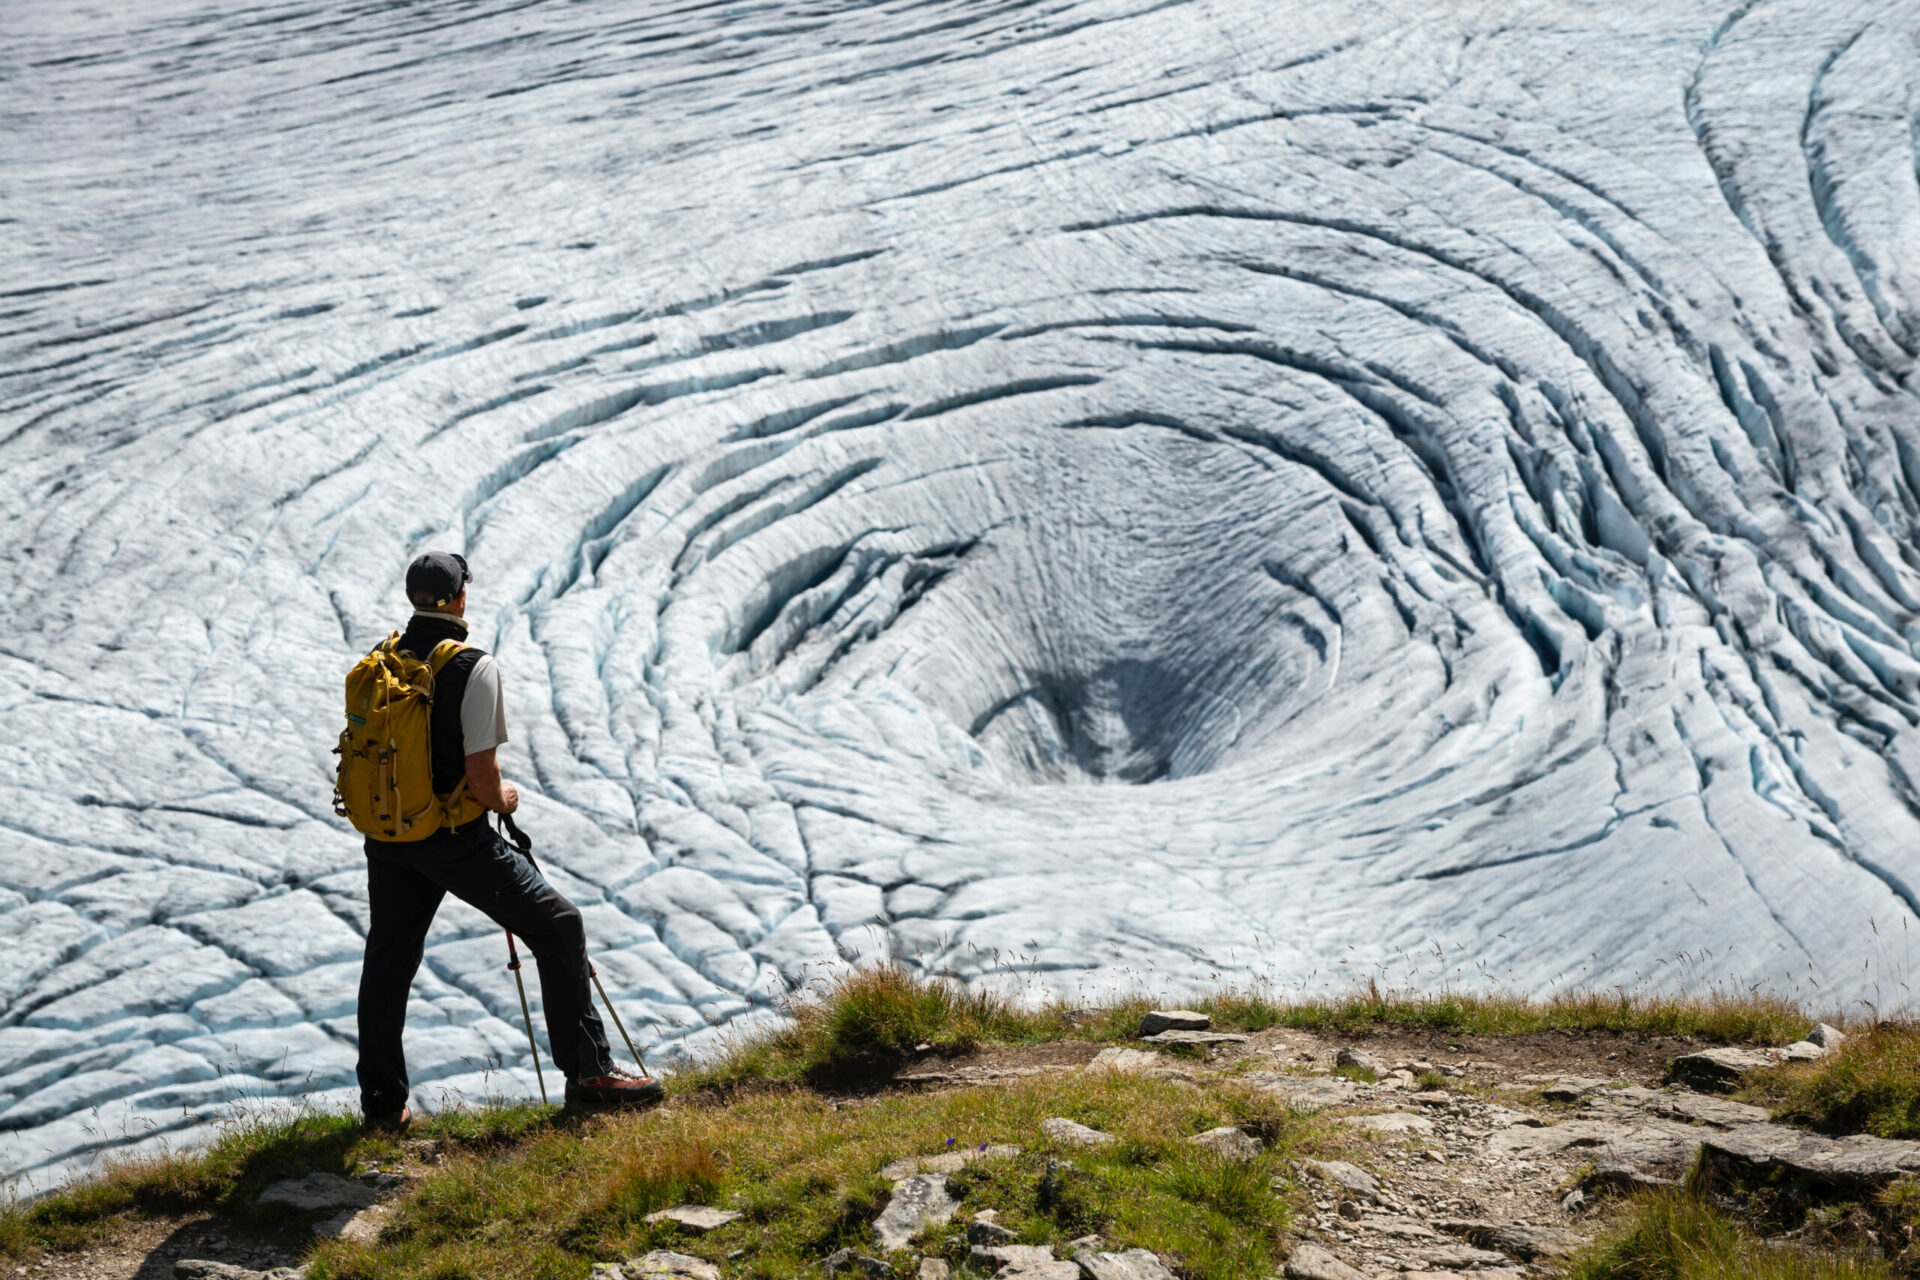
(483, 711)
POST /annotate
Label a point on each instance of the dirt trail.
(1493, 1175)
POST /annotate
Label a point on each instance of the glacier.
(1077, 493)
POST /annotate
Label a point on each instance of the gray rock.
(1352, 1178)
(1024, 1262)
(1170, 1073)
(1637, 1153)
(1306, 1093)
(1459, 1257)
(917, 1203)
(934, 1269)
(607, 1271)
(989, 1233)
(360, 1226)
(1134, 1264)
(1857, 1162)
(695, 1217)
(1624, 1174)
(1054, 1269)
(1522, 1242)
(946, 1161)
(1195, 1037)
(847, 1260)
(1704, 1108)
(981, 1075)
(1010, 1255)
(1126, 1061)
(1173, 1020)
(1074, 1134)
(1491, 1273)
(1398, 1123)
(1827, 1037)
(1439, 1098)
(319, 1192)
(1311, 1262)
(203, 1269)
(1228, 1143)
(1360, 1060)
(664, 1264)
(1717, 1070)
(1802, 1051)
(1571, 1088)
(1395, 1225)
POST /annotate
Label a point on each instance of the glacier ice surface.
(1117, 491)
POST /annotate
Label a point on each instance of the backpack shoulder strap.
(443, 654)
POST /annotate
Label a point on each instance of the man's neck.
(454, 618)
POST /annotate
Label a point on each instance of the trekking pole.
(513, 963)
(616, 1020)
(524, 843)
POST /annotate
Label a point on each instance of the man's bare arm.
(486, 785)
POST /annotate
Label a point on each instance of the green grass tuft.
(872, 1019)
(1675, 1235)
(1871, 1084)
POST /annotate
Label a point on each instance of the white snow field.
(1082, 491)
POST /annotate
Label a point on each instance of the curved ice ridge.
(1103, 491)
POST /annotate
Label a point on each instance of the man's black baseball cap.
(436, 577)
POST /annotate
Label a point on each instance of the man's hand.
(486, 785)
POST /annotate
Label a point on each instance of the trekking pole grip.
(521, 840)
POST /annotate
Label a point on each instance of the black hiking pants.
(405, 883)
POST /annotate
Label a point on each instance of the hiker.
(407, 875)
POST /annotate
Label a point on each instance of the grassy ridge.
(882, 1014)
(803, 1171)
(1745, 1017)
(855, 1028)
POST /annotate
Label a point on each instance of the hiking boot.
(617, 1088)
(392, 1121)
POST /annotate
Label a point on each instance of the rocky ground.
(1490, 1158)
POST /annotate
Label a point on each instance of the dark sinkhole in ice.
(1131, 623)
(1128, 720)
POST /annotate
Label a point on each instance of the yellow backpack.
(385, 784)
